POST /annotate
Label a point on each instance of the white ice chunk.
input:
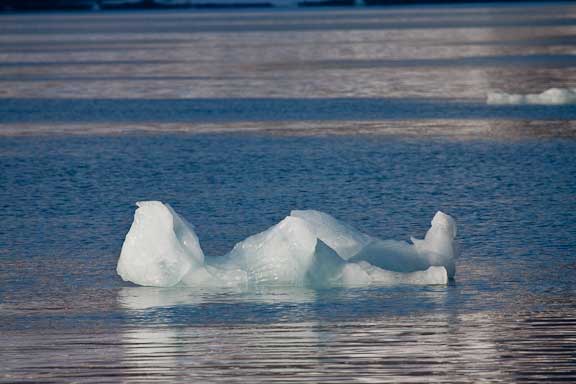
(210, 276)
(326, 267)
(439, 243)
(552, 96)
(341, 237)
(397, 256)
(287, 253)
(437, 249)
(160, 247)
(308, 248)
(364, 273)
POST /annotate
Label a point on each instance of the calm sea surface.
(376, 116)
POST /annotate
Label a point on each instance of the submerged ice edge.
(552, 96)
(307, 248)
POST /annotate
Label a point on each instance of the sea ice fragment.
(307, 248)
(552, 96)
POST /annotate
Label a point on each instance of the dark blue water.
(68, 202)
(376, 116)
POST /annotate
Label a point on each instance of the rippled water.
(382, 121)
(285, 71)
(67, 203)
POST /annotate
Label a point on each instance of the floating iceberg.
(552, 96)
(307, 248)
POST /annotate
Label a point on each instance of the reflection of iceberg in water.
(211, 348)
(187, 337)
(552, 96)
(307, 248)
(146, 298)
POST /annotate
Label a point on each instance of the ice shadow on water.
(263, 109)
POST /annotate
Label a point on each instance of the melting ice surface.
(307, 248)
(552, 96)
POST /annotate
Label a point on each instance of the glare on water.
(376, 116)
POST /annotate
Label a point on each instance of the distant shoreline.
(103, 5)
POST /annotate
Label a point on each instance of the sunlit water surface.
(403, 89)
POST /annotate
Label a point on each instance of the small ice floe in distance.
(307, 248)
(552, 96)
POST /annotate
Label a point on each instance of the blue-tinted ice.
(307, 248)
